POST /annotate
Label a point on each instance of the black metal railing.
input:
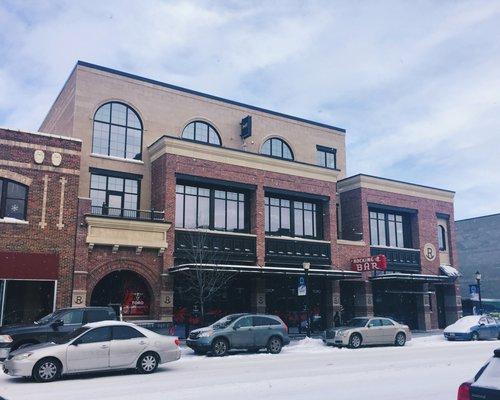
(401, 260)
(295, 252)
(140, 215)
(214, 248)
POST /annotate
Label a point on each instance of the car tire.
(47, 370)
(220, 347)
(148, 363)
(474, 337)
(400, 339)
(274, 345)
(355, 341)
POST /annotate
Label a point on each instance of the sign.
(79, 298)
(429, 252)
(474, 292)
(302, 289)
(246, 127)
(373, 263)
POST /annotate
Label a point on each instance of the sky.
(416, 84)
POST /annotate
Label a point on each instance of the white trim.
(345, 242)
(300, 239)
(394, 248)
(14, 221)
(41, 134)
(216, 232)
(114, 158)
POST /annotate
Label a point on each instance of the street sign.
(302, 289)
(474, 292)
(374, 263)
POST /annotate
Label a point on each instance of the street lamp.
(478, 280)
(306, 266)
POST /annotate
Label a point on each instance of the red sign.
(374, 263)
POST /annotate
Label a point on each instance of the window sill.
(127, 160)
(209, 231)
(394, 248)
(360, 243)
(297, 239)
(13, 221)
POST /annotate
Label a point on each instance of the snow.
(464, 324)
(449, 270)
(427, 367)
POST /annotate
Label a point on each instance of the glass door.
(115, 201)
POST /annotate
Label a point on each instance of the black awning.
(400, 276)
(256, 269)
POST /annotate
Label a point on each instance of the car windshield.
(49, 318)
(70, 336)
(357, 322)
(225, 322)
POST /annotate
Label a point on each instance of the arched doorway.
(126, 289)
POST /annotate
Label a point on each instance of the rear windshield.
(490, 378)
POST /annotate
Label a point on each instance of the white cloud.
(415, 84)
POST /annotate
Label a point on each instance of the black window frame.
(111, 124)
(317, 211)
(282, 144)
(323, 152)
(208, 126)
(3, 198)
(406, 226)
(442, 238)
(211, 196)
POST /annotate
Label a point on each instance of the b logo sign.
(429, 252)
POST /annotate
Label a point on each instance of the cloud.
(415, 84)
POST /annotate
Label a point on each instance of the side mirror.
(482, 324)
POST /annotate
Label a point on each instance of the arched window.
(200, 131)
(442, 237)
(276, 147)
(13, 199)
(117, 131)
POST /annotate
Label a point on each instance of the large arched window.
(200, 131)
(13, 199)
(276, 147)
(442, 238)
(117, 131)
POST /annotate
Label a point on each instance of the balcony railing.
(214, 248)
(401, 260)
(138, 215)
(295, 251)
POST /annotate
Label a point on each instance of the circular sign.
(56, 159)
(39, 156)
(429, 252)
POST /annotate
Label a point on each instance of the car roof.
(86, 308)
(108, 323)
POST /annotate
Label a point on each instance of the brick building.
(38, 213)
(175, 184)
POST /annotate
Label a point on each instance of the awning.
(17, 265)
(411, 277)
(448, 270)
(256, 269)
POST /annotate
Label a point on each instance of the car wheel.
(400, 339)
(148, 363)
(474, 336)
(220, 347)
(274, 345)
(47, 370)
(355, 341)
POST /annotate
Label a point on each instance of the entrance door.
(441, 307)
(115, 201)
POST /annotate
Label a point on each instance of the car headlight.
(340, 333)
(22, 356)
(205, 334)
(5, 339)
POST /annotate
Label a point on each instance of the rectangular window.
(326, 157)
(389, 229)
(111, 195)
(284, 217)
(210, 208)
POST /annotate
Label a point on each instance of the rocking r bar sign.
(374, 263)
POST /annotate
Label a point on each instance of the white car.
(99, 346)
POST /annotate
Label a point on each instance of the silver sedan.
(106, 345)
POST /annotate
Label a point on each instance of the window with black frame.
(389, 229)
(276, 147)
(211, 208)
(203, 132)
(13, 199)
(442, 238)
(326, 157)
(290, 217)
(114, 195)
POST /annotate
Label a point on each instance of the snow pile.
(306, 345)
(449, 271)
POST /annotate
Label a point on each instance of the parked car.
(98, 346)
(240, 331)
(473, 327)
(486, 384)
(368, 331)
(51, 327)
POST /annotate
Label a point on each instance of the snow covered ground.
(427, 368)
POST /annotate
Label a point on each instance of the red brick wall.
(32, 238)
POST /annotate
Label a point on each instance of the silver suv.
(240, 331)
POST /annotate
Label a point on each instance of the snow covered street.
(428, 367)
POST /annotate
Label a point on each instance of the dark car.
(486, 384)
(242, 332)
(51, 327)
(473, 327)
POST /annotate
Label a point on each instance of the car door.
(71, 320)
(242, 336)
(90, 351)
(127, 344)
(483, 328)
(262, 330)
(373, 332)
(492, 328)
(389, 330)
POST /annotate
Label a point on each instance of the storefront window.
(210, 208)
(388, 229)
